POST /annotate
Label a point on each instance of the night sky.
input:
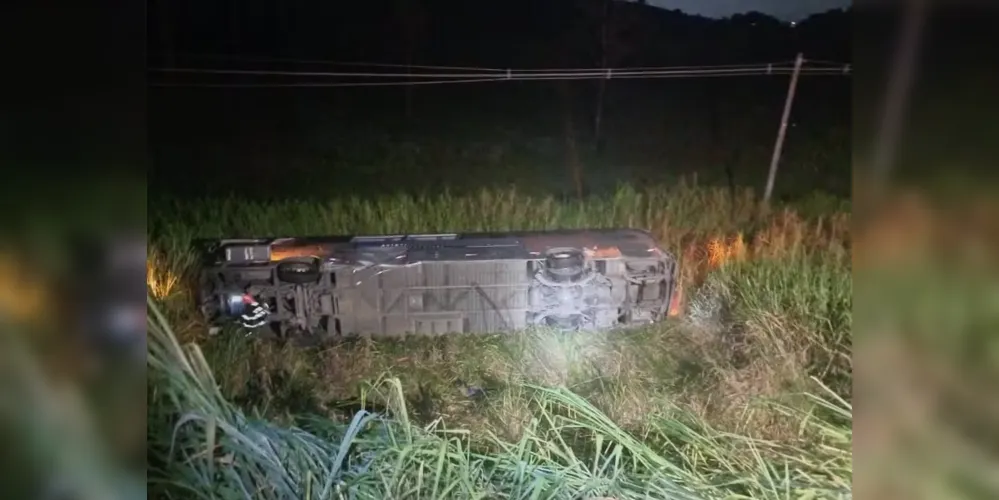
(788, 10)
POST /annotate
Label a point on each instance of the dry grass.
(22, 294)
(161, 279)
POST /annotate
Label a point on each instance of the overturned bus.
(435, 284)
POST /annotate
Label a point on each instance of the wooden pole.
(782, 131)
(898, 93)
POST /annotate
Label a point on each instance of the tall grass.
(720, 404)
(678, 215)
(671, 212)
(204, 447)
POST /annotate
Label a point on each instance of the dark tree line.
(511, 33)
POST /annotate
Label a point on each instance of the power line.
(656, 68)
(608, 73)
(782, 71)
(825, 61)
(600, 72)
(331, 63)
(279, 60)
(326, 84)
(326, 62)
(519, 77)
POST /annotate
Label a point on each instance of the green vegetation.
(747, 396)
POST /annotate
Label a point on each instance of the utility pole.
(782, 131)
(899, 85)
